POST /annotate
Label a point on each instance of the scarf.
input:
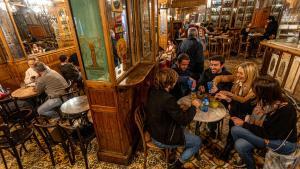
(260, 112)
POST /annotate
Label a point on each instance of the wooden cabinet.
(260, 17)
(117, 57)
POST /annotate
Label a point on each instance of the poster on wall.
(116, 6)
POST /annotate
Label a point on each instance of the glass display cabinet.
(282, 55)
(117, 56)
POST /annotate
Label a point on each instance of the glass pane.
(146, 31)
(90, 36)
(43, 25)
(119, 35)
(9, 32)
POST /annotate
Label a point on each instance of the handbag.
(274, 160)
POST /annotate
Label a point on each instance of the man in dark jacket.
(165, 120)
(69, 71)
(184, 82)
(271, 29)
(192, 47)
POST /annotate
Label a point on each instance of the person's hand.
(196, 103)
(202, 89)
(226, 93)
(237, 121)
(214, 89)
(193, 83)
(221, 96)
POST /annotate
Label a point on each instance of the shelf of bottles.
(289, 27)
(245, 9)
(226, 12)
(277, 7)
(215, 11)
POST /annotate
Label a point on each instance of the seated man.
(185, 82)
(165, 120)
(216, 68)
(53, 84)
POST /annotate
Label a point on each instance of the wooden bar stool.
(245, 45)
(213, 46)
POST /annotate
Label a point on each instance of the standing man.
(53, 84)
(193, 48)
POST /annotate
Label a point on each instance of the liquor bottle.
(205, 104)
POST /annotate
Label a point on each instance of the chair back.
(8, 106)
(6, 135)
(139, 118)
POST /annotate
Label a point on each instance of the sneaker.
(239, 163)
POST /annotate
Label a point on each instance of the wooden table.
(24, 93)
(75, 106)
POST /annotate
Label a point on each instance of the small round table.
(75, 106)
(24, 93)
(212, 115)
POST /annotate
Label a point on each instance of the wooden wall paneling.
(6, 77)
(293, 76)
(279, 53)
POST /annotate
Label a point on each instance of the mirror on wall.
(43, 25)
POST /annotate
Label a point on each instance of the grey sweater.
(52, 83)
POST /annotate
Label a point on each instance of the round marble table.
(75, 106)
(213, 114)
(24, 93)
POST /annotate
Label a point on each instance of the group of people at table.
(49, 84)
(261, 116)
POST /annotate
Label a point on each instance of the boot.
(226, 152)
(176, 165)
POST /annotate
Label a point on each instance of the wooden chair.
(213, 46)
(81, 135)
(11, 139)
(51, 136)
(260, 51)
(226, 47)
(12, 114)
(139, 117)
(243, 44)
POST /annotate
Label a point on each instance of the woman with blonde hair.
(240, 98)
(165, 119)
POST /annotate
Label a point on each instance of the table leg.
(197, 128)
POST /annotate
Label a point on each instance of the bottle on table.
(205, 104)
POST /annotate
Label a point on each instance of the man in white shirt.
(30, 74)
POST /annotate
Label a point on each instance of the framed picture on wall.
(283, 65)
(272, 65)
(293, 76)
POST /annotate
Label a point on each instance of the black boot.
(176, 165)
(226, 152)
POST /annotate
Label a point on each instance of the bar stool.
(226, 46)
(244, 44)
(213, 46)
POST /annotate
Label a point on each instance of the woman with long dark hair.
(272, 123)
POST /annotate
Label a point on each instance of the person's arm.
(27, 79)
(177, 114)
(242, 99)
(223, 79)
(40, 86)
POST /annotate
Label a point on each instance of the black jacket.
(165, 119)
(194, 49)
(208, 76)
(182, 87)
(277, 125)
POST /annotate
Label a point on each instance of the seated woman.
(171, 50)
(239, 98)
(165, 120)
(272, 122)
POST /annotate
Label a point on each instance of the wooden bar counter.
(281, 60)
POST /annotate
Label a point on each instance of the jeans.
(246, 141)
(191, 147)
(46, 109)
